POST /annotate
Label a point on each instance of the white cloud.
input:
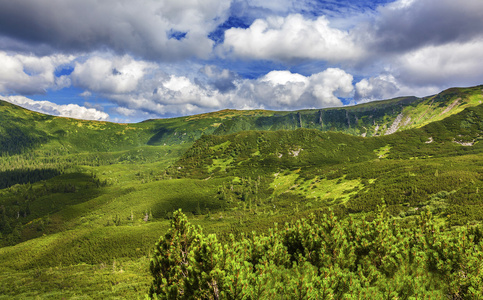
(285, 90)
(85, 94)
(331, 83)
(171, 96)
(137, 85)
(284, 77)
(399, 4)
(291, 38)
(420, 48)
(69, 110)
(222, 80)
(275, 90)
(425, 71)
(29, 74)
(181, 90)
(110, 74)
(387, 86)
(125, 111)
(448, 64)
(276, 6)
(376, 88)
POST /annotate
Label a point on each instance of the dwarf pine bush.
(320, 259)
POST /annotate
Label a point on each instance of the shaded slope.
(17, 135)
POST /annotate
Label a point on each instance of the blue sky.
(127, 61)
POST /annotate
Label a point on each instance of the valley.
(82, 203)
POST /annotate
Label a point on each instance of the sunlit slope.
(266, 151)
(370, 119)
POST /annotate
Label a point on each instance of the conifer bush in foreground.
(321, 259)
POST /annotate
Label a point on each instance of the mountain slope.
(370, 119)
(21, 129)
(84, 202)
(412, 168)
(457, 134)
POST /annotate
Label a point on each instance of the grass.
(383, 151)
(283, 183)
(117, 279)
(340, 189)
(220, 164)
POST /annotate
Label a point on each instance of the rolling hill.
(82, 203)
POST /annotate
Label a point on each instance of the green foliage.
(81, 195)
(320, 258)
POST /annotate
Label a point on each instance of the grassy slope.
(92, 241)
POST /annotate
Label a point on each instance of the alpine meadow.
(382, 200)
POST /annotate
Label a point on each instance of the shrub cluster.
(320, 259)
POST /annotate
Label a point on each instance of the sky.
(128, 61)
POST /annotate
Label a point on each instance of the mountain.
(82, 203)
(22, 129)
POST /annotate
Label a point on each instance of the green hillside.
(22, 130)
(82, 203)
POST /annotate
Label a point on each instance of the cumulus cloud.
(85, 94)
(393, 29)
(291, 38)
(155, 57)
(69, 110)
(154, 92)
(425, 71)
(169, 96)
(181, 90)
(29, 74)
(420, 47)
(272, 6)
(387, 87)
(449, 64)
(152, 29)
(110, 74)
(376, 88)
(285, 90)
(276, 90)
(146, 87)
(125, 111)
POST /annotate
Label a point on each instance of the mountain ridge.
(368, 119)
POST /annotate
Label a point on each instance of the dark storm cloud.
(142, 28)
(407, 25)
